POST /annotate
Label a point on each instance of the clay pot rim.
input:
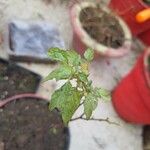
(146, 65)
(90, 42)
(21, 97)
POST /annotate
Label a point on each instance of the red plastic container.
(145, 37)
(131, 98)
(128, 9)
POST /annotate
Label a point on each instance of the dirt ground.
(104, 72)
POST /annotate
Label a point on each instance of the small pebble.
(27, 107)
(2, 96)
(11, 82)
(6, 78)
(37, 106)
(1, 110)
(5, 93)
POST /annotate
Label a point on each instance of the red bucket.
(131, 98)
(145, 37)
(128, 9)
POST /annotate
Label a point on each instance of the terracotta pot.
(131, 98)
(81, 39)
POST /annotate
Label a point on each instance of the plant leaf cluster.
(69, 97)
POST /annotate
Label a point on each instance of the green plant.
(77, 89)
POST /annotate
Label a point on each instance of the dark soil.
(146, 2)
(16, 80)
(102, 26)
(146, 136)
(29, 125)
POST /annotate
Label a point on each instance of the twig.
(95, 119)
(81, 104)
(77, 117)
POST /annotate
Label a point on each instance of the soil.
(47, 1)
(147, 2)
(102, 26)
(29, 125)
(146, 135)
(16, 80)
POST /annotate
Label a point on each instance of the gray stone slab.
(33, 39)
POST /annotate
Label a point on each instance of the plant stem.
(80, 105)
(77, 117)
(95, 119)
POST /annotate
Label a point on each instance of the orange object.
(143, 15)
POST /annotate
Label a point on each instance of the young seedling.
(77, 89)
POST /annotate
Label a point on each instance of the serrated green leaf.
(103, 93)
(57, 98)
(89, 54)
(73, 58)
(90, 104)
(63, 72)
(68, 56)
(83, 77)
(57, 54)
(67, 100)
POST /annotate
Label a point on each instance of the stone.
(33, 39)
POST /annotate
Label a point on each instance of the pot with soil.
(27, 124)
(131, 98)
(96, 27)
